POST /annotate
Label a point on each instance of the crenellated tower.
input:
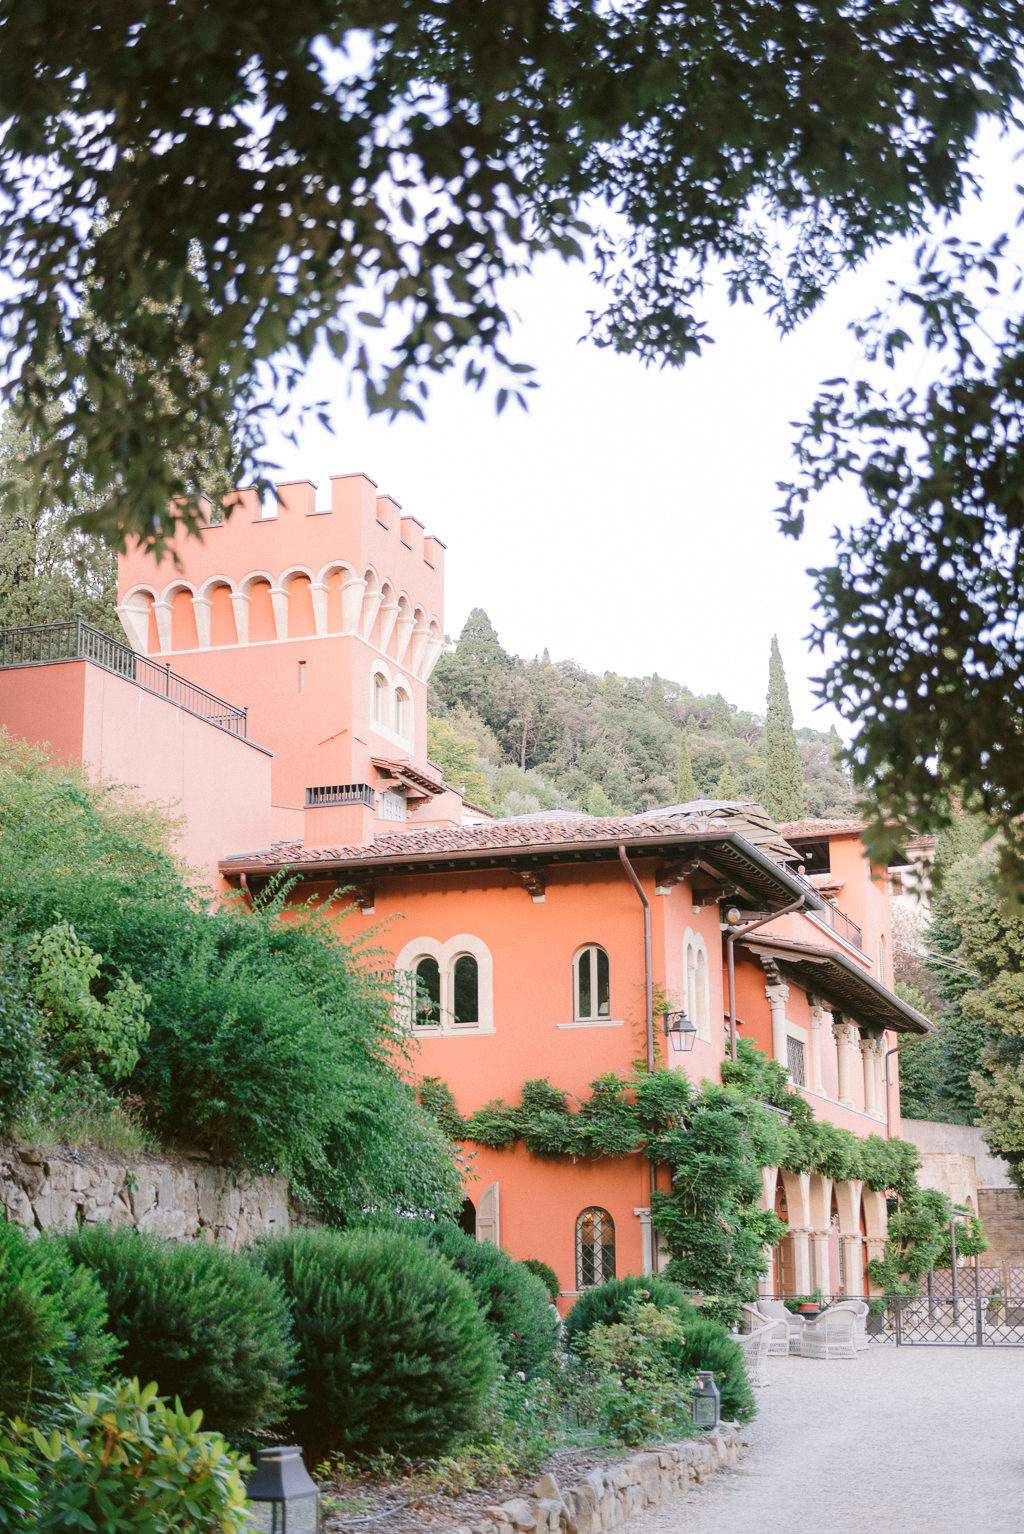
(325, 624)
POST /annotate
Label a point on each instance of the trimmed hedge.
(546, 1273)
(513, 1301)
(204, 1324)
(706, 1343)
(52, 1337)
(606, 1303)
(393, 1352)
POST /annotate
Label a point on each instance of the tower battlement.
(292, 570)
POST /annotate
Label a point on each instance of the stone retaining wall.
(184, 1197)
(1002, 1220)
(609, 1496)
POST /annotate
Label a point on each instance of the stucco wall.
(960, 1139)
(59, 1188)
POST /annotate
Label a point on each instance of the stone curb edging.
(608, 1497)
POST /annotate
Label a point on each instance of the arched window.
(591, 985)
(449, 986)
(466, 990)
(428, 1004)
(380, 698)
(595, 1248)
(695, 980)
(402, 713)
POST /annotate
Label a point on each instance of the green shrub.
(512, 1300)
(607, 1303)
(393, 1352)
(707, 1345)
(23, 1072)
(546, 1274)
(52, 1338)
(19, 1482)
(205, 1324)
(639, 1390)
(130, 1464)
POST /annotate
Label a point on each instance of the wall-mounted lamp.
(680, 1030)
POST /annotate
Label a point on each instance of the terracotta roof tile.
(813, 827)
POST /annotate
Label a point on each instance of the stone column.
(201, 608)
(279, 602)
(853, 1263)
(871, 1053)
(777, 995)
(876, 1249)
(240, 603)
(647, 1263)
(820, 1275)
(320, 596)
(162, 612)
(841, 1032)
(817, 1019)
(800, 1246)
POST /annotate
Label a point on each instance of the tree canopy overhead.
(194, 196)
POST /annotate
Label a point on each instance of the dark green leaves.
(196, 197)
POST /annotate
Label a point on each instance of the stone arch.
(297, 584)
(388, 615)
(371, 600)
(138, 619)
(432, 649)
(257, 588)
(215, 612)
(332, 580)
(178, 596)
(404, 625)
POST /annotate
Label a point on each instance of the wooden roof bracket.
(534, 881)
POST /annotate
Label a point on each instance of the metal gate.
(966, 1307)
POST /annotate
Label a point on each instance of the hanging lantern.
(680, 1030)
(705, 1400)
(282, 1495)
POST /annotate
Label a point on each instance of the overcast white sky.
(626, 520)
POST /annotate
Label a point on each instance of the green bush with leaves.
(52, 1327)
(393, 1353)
(24, 1075)
(640, 1392)
(607, 1303)
(87, 872)
(513, 1301)
(707, 1345)
(210, 1328)
(128, 1463)
(546, 1273)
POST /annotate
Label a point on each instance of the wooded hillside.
(523, 735)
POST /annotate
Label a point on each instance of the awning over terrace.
(840, 983)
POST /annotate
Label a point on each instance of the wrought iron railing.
(833, 917)
(47, 644)
(339, 793)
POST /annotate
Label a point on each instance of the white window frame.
(446, 955)
(594, 1019)
(380, 690)
(402, 712)
(697, 983)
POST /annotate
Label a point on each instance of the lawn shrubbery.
(52, 1337)
(118, 981)
(393, 1353)
(606, 1303)
(207, 1326)
(704, 1344)
(513, 1301)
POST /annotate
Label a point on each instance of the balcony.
(50, 644)
(339, 793)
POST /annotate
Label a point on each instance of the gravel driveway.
(911, 1440)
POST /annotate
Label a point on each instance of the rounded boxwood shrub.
(393, 1352)
(707, 1345)
(52, 1337)
(605, 1304)
(513, 1301)
(202, 1322)
(546, 1273)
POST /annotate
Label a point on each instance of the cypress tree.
(728, 788)
(686, 787)
(722, 721)
(784, 778)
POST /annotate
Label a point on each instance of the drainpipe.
(648, 977)
(731, 960)
(888, 1094)
(649, 1015)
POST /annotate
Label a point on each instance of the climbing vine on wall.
(713, 1139)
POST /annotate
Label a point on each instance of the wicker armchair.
(860, 1310)
(775, 1310)
(830, 1336)
(756, 1348)
(754, 1321)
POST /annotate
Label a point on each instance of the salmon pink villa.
(273, 685)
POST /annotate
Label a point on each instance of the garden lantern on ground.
(680, 1030)
(706, 1400)
(283, 1498)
